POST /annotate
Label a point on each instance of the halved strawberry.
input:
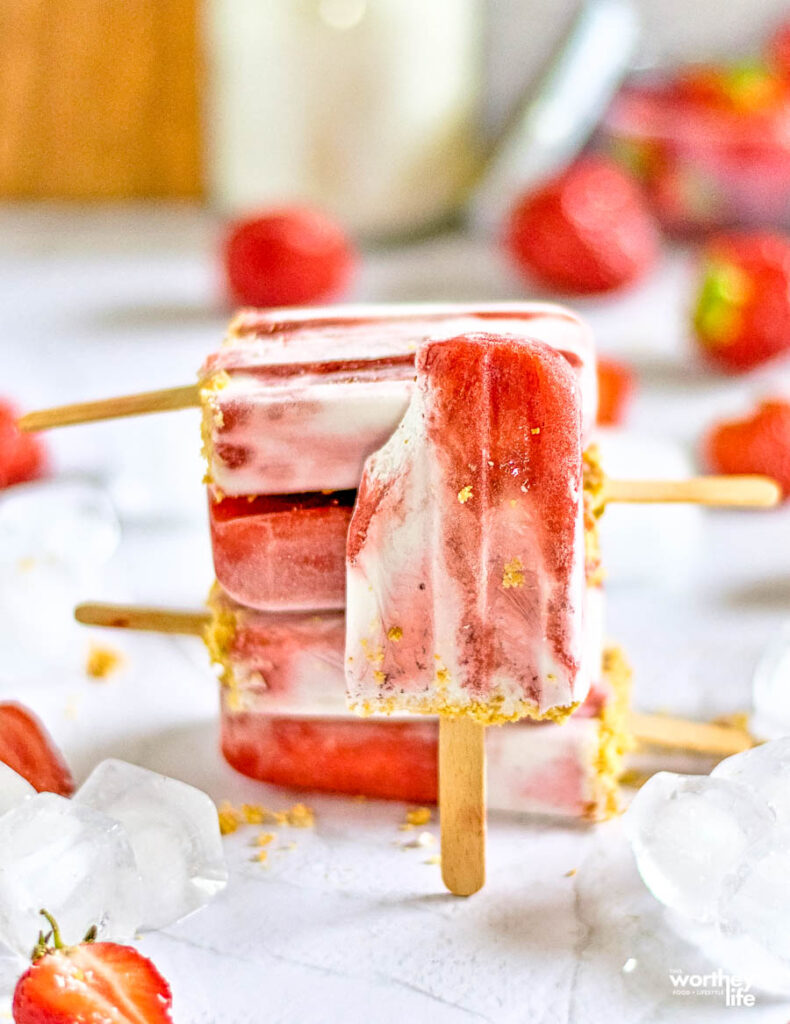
(26, 747)
(616, 385)
(93, 981)
(760, 443)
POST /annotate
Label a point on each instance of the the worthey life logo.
(735, 989)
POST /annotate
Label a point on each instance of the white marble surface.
(349, 926)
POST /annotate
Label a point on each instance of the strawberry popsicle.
(296, 400)
(466, 561)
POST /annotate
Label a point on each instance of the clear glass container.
(366, 108)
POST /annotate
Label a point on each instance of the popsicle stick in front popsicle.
(462, 803)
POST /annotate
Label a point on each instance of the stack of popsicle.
(468, 554)
(513, 413)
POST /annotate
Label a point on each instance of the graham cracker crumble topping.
(230, 818)
(415, 817)
(102, 661)
(513, 575)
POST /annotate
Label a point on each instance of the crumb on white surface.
(102, 662)
(415, 817)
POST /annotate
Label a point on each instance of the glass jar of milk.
(366, 108)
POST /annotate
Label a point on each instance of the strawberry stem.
(55, 930)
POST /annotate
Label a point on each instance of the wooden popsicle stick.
(747, 491)
(694, 737)
(462, 804)
(165, 400)
(141, 617)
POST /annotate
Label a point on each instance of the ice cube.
(14, 790)
(771, 689)
(71, 860)
(765, 771)
(688, 834)
(174, 831)
(756, 900)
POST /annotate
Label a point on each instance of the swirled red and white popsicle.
(466, 565)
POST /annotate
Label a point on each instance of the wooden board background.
(99, 98)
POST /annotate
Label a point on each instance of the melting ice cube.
(174, 831)
(71, 860)
(689, 834)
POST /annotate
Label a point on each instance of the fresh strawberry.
(93, 981)
(286, 257)
(742, 315)
(758, 444)
(586, 231)
(26, 747)
(616, 385)
(22, 456)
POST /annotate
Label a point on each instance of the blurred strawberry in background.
(778, 51)
(742, 312)
(709, 144)
(26, 747)
(22, 456)
(287, 257)
(760, 443)
(743, 88)
(584, 232)
(616, 387)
